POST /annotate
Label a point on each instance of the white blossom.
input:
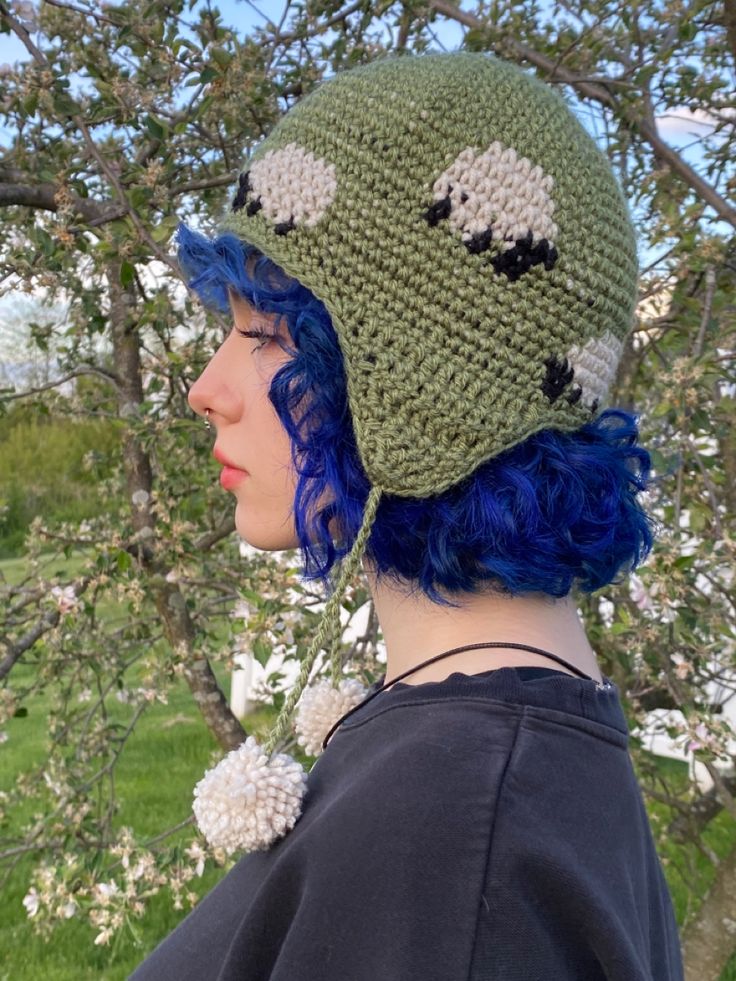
(241, 611)
(196, 853)
(103, 937)
(140, 498)
(640, 594)
(104, 891)
(31, 901)
(66, 598)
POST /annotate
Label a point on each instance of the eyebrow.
(275, 329)
(231, 294)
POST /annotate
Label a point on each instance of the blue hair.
(557, 511)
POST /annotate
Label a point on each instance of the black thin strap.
(456, 650)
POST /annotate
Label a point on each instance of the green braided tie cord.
(327, 628)
(335, 659)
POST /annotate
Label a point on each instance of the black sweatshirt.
(486, 827)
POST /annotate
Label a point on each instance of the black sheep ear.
(243, 189)
(439, 210)
(558, 377)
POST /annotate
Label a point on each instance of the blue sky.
(680, 129)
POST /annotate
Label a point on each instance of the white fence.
(654, 735)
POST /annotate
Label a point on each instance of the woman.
(431, 272)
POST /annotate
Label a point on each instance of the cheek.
(262, 434)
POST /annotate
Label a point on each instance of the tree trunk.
(167, 596)
(709, 941)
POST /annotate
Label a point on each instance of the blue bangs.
(554, 513)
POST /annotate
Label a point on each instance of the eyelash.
(255, 333)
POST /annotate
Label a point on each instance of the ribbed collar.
(552, 690)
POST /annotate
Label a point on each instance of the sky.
(680, 128)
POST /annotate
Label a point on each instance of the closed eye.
(256, 333)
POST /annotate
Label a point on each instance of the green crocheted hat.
(476, 255)
(467, 237)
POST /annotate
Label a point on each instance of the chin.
(268, 537)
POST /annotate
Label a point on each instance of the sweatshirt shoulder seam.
(491, 833)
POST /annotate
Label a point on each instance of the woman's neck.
(414, 629)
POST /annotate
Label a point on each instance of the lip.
(221, 458)
(231, 475)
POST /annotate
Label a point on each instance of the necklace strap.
(456, 650)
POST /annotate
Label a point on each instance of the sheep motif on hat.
(593, 365)
(498, 196)
(290, 185)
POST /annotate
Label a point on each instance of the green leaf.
(162, 232)
(261, 652)
(127, 273)
(208, 74)
(124, 560)
(222, 57)
(252, 597)
(140, 196)
(65, 105)
(662, 408)
(155, 128)
(47, 244)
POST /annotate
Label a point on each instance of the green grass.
(50, 565)
(165, 756)
(168, 752)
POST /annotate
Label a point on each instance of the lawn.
(164, 758)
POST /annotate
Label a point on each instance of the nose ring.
(207, 419)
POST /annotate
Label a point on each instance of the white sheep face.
(498, 196)
(291, 186)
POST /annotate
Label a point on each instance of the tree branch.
(84, 370)
(41, 59)
(598, 91)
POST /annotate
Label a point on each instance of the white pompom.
(248, 801)
(320, 706)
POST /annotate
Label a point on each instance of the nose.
(216, 391)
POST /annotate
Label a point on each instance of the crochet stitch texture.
(477, 257)
(471, 244)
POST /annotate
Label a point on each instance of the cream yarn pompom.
(320, 706)
(248, 800)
